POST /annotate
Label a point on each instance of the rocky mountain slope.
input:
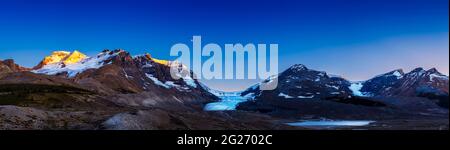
(397, 83)
(9, 66)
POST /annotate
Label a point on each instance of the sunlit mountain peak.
(159, 61)
(55, 57)
(64, 57)
(74, 57)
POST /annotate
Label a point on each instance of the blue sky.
(354, 38)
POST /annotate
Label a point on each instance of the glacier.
(228, 101)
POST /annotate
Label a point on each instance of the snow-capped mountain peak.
(72, 63)
(63, 57)
(299, 82)
(298, 67)
(434, 74)
(398, 73)
(74, 57)
(406, 84)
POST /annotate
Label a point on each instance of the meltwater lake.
(331, 123)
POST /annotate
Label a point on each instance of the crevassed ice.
(229, 101)
(355, 88)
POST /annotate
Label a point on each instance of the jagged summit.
(397, 72)
(396, 83)
(418, 69)
(159, 61)
(123, 72)
(433, 70)
(298, 67)
(74, 57)
(55, 57)
(76, 62)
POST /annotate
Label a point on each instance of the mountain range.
(300, 82)
(394, 94)
(114, 90)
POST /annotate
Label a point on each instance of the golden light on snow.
(164, 62)
(64, 56)
(75, 57)
(56, 57)
(159, 61)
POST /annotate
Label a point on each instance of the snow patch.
(147, 65)
(332, 86)
(126, 75)
(317, 79)
(167, 84)
(156, 81)
(189, 81)
(432, 76)
(312, 96)
(284, 95)
(298, 67)
(397, 74)
(171, 84)
(249, 96)
(335, 76)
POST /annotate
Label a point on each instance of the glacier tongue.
(228, 101)
(355, 88)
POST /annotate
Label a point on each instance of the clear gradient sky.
(357, 39)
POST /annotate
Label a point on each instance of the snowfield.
(75, 68)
